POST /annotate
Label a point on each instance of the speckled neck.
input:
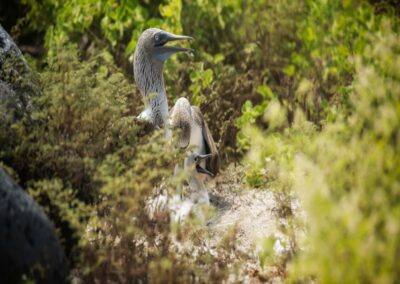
(149, 78)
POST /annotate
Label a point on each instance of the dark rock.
(7, 45)
(28, 242)
(18, 85)
(18, 88)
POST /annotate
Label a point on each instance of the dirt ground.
(252, 213)
(250, 210)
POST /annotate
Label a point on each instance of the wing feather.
(212, 164)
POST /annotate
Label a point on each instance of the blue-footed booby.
(149, 57)
(203, 157)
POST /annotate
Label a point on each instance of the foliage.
(79, 117)
(75, 118)
(344, 176)
(332, 32)
(219, 76)
(94, 171)
(129, 244)
(251, 113)
(357, 193)
(306, 91)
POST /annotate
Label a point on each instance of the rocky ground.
(252, 214)
(250, 210)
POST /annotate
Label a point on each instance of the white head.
(150, 55)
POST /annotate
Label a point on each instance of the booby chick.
(203, 158)
(150, 54)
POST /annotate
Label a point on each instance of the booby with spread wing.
(203, 156)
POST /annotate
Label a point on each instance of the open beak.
(203, 157)
(199, 168)
(202, 170)
(172, 37)
(163, 52)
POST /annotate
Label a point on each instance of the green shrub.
(94, 168)
(345, 176)
(125, 243)
(348, 178)
(76, 119)
(306, 90)
(232, 57)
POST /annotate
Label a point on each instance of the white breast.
(196, 138)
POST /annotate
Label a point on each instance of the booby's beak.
(199, 168)
(202, 170)
(163, 52)
(199, 158)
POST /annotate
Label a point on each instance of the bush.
(94, 169)
(345, 176)
(76, 119)
(223, 74)
(348, 178)
(306, 91)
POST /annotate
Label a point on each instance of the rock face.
(18, 87)
(7, 45)
(28, 243)
(17, 83)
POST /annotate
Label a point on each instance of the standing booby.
(204, 155)
(149, 57)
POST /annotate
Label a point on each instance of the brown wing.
(212, 164)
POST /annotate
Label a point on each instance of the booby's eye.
(157, 37)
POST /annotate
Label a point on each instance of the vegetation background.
(305, 95)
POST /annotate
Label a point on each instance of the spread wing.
(212, 164)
